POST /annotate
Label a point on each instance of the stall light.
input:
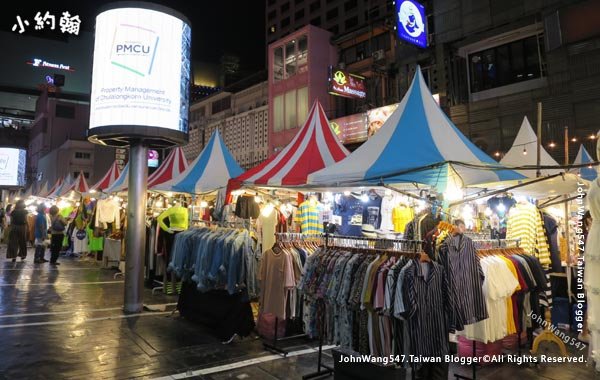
(258, 199)
(93, 199)
(170, 194)
(501, 207)
(488, 212)
(388, 192)
(78, 204)
(92, 191)
(267, 209)
(592, 137)
(204, 204)
(17, 198)
(28, 202)
(328, 196)
(552, 144)
(420, 206)
(453, 194)
(497, 154)
(346, 193)
(590, 166)
(525, 151)
(574, 139)
(158, 204)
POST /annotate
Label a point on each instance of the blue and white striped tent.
(583, 157)
(210, 171)
(417, 144)
(120, 183)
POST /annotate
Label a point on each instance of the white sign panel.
(12, 167)
(141, 70)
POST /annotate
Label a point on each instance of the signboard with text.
(141, 75)
(411, 22)
(342, 83)
(350, 129)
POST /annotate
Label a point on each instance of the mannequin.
(592, 267)
(178, 221)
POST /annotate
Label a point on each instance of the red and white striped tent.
(174, 164)
(314, 147)
(80, 185)
(109, 178)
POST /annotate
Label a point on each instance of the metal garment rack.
(288, 237)
(350, 242)
(496, 243)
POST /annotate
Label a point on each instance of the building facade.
(242, 119)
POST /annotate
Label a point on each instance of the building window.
(272, 15)
(315, 6)
(64, 111)
(302, 104)
(221, 105)
(285, 22)
(331, 14)
(83, 155)
(285, 7)
(350, 5)
(299, 15)
(290, 110)
(351, 22)
(302, 54)
(290, 59)
(334, 29)
(316, 21)
(278, 113)
(278, 64)
(507, 64)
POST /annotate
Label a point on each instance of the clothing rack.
(288, 237)
(336, 241)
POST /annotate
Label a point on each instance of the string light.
(497, 154)
(593, 137)
(574, 139)
(204, 204)
(552, 144)
(525, 151)
(346, 193)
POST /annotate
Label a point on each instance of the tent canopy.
(109, 178)
(314, 147)
(418, 143)
(208, 172)
(524, 153)
(583, 157)
(79, 185)
(121, 183)
(43, 190)
(173, 166)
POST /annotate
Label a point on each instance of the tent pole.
(500, 191)
(567, 234)
(538, 172)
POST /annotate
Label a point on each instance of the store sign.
(141, 73)
(377, 117)
(121, 157)
(342, 83)
(12, 167)
(152, 158)
(350, 129)
(38, 62)
(411, 22)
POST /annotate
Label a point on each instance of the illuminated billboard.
(12, 167)
(411, 22)
(350, 129)
(342, 83)
(141, 76)
(377, 116)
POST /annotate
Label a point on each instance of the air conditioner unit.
(379, 55)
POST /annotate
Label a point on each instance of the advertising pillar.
(139, 100)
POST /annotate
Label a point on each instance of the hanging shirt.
(525, 223)
(265, 226)
(178, 218)
(107, 211)
(351, 210)
(401, 216)
(308, 218)
(387, 210)
(372, 210)
(246, 207)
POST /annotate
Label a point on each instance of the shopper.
(57, 231)
(17, 237)
(41, 234)
(6, 225)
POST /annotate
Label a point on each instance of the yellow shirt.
(401, 216)
(511, 327)
(178, 218)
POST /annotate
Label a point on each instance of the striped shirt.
(525, 223)
(308, 218)
(426, 302)
(465, 278)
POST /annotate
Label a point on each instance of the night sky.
(219, 27)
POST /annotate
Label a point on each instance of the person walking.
(41, 234)
(57, 231)
(17, 237)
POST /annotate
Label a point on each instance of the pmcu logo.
(132, 49)
(340, 78)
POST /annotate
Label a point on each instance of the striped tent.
(588, 173)
(121, 183)
(109, 178)
(67, 181)
(79, 185)
(314, 147)
(172, 167)
(43, 190)
(417, 144)
(208, 172)
(53, 189)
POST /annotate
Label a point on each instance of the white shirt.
(107, 211)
